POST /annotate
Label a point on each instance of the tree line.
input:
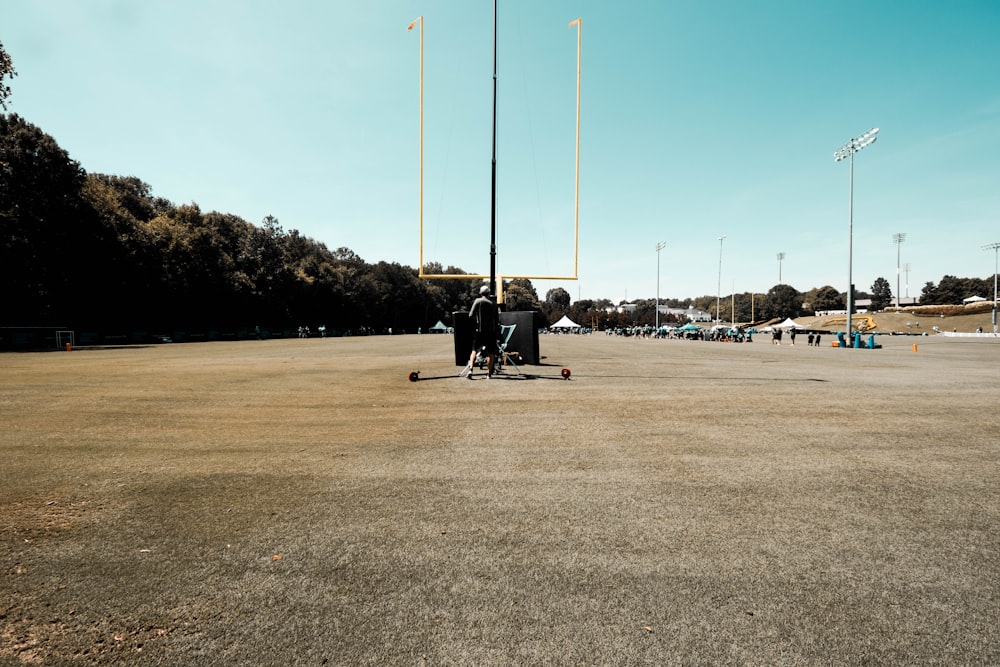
(96, 251)
(102, 252)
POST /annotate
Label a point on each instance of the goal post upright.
(64, 337)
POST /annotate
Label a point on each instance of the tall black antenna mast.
(493, 197)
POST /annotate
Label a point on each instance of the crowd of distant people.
(718, 334)
(305, 332)
(722, 334)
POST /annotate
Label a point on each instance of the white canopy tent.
(565, 323)
(787, 324)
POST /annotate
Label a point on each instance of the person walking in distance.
(484, 318)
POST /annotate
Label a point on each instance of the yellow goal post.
(578, 23)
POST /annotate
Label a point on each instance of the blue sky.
(699, 119)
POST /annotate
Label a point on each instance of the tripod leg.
(511, 362)
(505, 358)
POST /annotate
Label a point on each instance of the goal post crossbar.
(500, 279)
(64, 336)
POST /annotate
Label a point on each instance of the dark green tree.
(591, 313)
(234, 236)
(55, 257)
(782, 301)
(928, 293)
(398, 302)
(745, 306)
(520, 294)
(132, 198)
(458, 293)
(953, 290)
(189, 287)
(580, 311)
(881, 296)
(124, 206)
(644, 313)
(7, 71)
(827, 298)
(558, 297)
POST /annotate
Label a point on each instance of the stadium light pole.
(420, 19)
(847, 151)
(659, 246)
(906, 270)
(718, 291)
(995, 247)
(898, 240)
(781, 256)
(578, 22)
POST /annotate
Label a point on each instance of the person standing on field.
(485, 318)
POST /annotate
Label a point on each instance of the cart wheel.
(414, 376)
(566, 373)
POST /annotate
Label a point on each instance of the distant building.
(864, 306)
(690, 314)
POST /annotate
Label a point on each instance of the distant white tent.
(439, 327)
(565, 323)
(973, 299)
(790, 324)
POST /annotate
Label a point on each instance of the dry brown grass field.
(672, 503)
